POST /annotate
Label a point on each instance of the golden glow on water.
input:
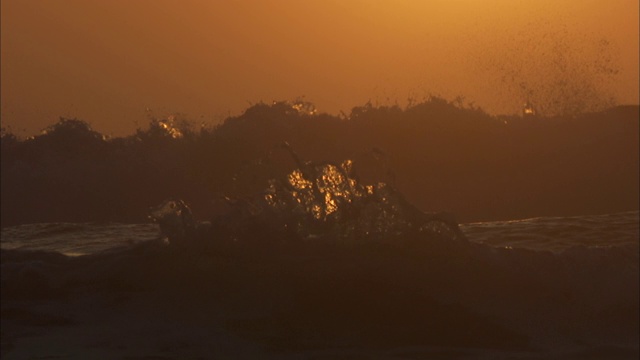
(305, 108)
(324, 198)
(169, 126)
(331, 205)
(528, 110)
(321, 190)
(297, 180)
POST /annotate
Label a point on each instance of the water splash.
(556, 72)
(316, 200)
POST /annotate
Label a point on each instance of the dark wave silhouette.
(440, 155)
(425, 293)
(416, 295)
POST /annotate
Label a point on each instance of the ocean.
(346, 247)
(546, 287)
(551, 234)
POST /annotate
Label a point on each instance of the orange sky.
(106, 62)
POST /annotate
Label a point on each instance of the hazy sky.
(114, 62)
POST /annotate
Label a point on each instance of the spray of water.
(552, 70)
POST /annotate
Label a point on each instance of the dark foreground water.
(529, 289)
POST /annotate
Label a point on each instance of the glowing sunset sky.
(107, 61)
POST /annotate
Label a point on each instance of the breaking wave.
(321, 261)
(293, 257)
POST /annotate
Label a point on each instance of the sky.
(117, 63)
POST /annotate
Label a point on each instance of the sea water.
(554, 234)
(558, 233)
(546, 287)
